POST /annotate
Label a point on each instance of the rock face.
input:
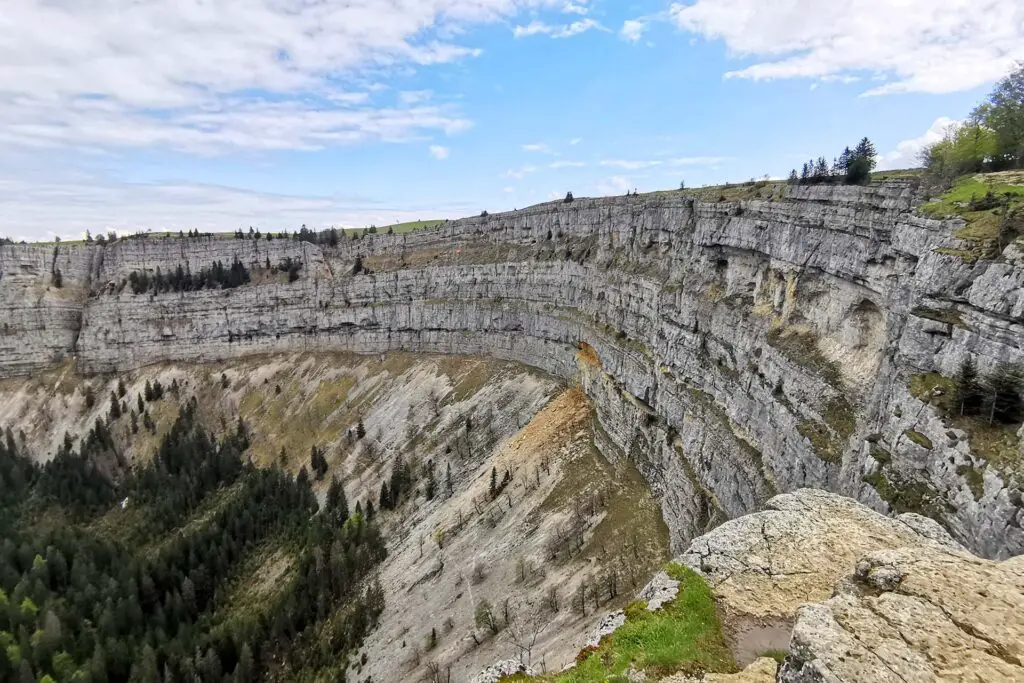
(734, 349)
(871, 598)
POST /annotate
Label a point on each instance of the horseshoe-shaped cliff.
(766, 340)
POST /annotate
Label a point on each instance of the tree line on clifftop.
(851, 167)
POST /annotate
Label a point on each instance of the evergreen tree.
(861, 163)
(1002, 395)
(493, 489)
(336, 502)
(246, 667)
(821, 169)
(430, 490)
(360, 429)
(385, 496)
(968, 389)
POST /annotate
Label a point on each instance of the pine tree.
(430, 490)
(494, 482)
(246, 668)
(968, 389)
(336, 502)
(448, 479)
(844, 160)
(821, 169)
(360, 429)
(793, 177)
(1002, 394)
(385, 496)
(861, 163)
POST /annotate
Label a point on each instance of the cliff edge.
(770, 339)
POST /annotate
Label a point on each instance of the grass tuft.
(685, 635)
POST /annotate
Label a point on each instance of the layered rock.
(868, 598)
(734, 349)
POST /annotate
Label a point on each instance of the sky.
(134, 115)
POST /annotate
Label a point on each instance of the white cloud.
(575, 141)
(567, 164)
(615, 185)
(415, 96)
(696, 161)
(225, 126)
(440, 153)
(521, 172)
(223, 74)
(537, 27)
(576, 8)
(633, 30)
(629, 165)
(45, 205)
(906, 154)
(538, 148)
(914, 45)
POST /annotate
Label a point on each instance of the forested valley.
(194, 567)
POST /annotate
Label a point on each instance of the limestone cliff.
(737, 348)
(854, 596)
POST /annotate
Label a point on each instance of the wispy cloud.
(440, 153)
(415, 96)
(633, 29)
(697, 161)
(907, 153)
(614, 185)
(567, 164)
(521, 172)
(538, 148)
(66, 205)
(538, 27)
(915, 45)
(215, 76)
(629, 165)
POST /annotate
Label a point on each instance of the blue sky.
(150, 114)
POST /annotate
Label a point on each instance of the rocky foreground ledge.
(863, 597)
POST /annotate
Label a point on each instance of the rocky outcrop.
(870, 598)
(734, 349)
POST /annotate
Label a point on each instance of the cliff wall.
(734, 349)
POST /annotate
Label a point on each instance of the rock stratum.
(868, 598)
(733, 349)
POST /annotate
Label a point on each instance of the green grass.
(919, 438)
(982, 230)
(399, 228)
(997, 443)
(900, 174)
(684, 635)
(778, 655)
(916, 496)
(955, 201)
